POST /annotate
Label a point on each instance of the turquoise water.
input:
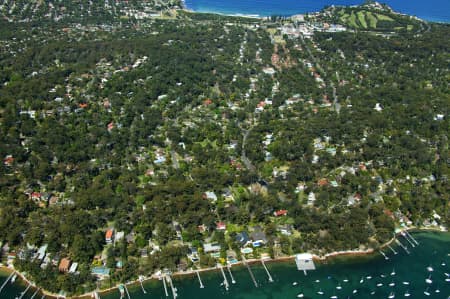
(433, 250)
(432, 10)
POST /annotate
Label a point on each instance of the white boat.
(345, 280)
(13, 279)
(317, 281)
(392, 284)
(393, 272)
(446, 274)
(339, 287)
(334, 297)
(443, 264)
(426, 292)
(320, 292)
(300, 295)
(372, 293)
(379, 284)
(295, 283)
(383, 275)
(447, 279)
(361, 280)
(430, 269)
(428, 280)
(406, 283)
(437, 291)
(369, 277)
(391, 295)
(407, 294)
(355, 291)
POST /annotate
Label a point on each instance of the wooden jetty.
(35, 293)
(25, 291)
(267, 271)
(392, 249)
(231, 274)
(174, 289)
(199, 280)
(6, 281)
(411, 237)
(141, 278)
(408, 240)
(165, 286)
(250, 271)
(402, 246)
(225, 280)
(126, 291)
(383, 254)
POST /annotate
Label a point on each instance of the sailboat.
(430, 269)
(300, 295)
(320, 292)
(393, 272)
(391, 295)
(339, 287)
(428, 280)
(437, 291)
(295, 283)
(369, 277)
(392, 284)
(334, 297)
(355, 291)
(345, 280)
(372, 293)
(407, 294)
(406, 283)
(361, 280)
(426, 292)
(379, 284)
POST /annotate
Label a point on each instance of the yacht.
(369, 277)
(345, 280)
(300, 295)
(407, 294)
(406, 283)
(428, 280)
(295, 283)
(426, 292)
(339, 287)
(430, 269)
(391, 295)
(320, 292)
(361, 280)
(393, 272)
(392, 284)
(355, 291)
(379, 284)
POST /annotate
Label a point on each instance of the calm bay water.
(433, 250)
(432, 10)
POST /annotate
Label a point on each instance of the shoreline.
(319, 258)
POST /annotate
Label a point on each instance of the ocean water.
(433, 250)
(431, 10)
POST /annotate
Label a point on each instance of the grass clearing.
(383, 17)
(352, 20)
(362, 18)
(372, 20)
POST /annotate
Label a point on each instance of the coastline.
(319, 258)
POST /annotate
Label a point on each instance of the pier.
(174, 289)
(267, 271)
(24, 292)
(402, 246)
(383, 254)
(231, 274)
(199, 280)
(165, 286)
(6, 281)
(126, 291)
(43, 296)
(34, 294)
(392, 249)
(225, 280)
(250, 271)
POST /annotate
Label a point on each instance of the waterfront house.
(109, 236)
(280, 213)
(64, 265)
(211, 247)
(242, 238)
(221, 226)
(258, 237)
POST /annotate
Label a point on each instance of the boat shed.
(304, 262)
